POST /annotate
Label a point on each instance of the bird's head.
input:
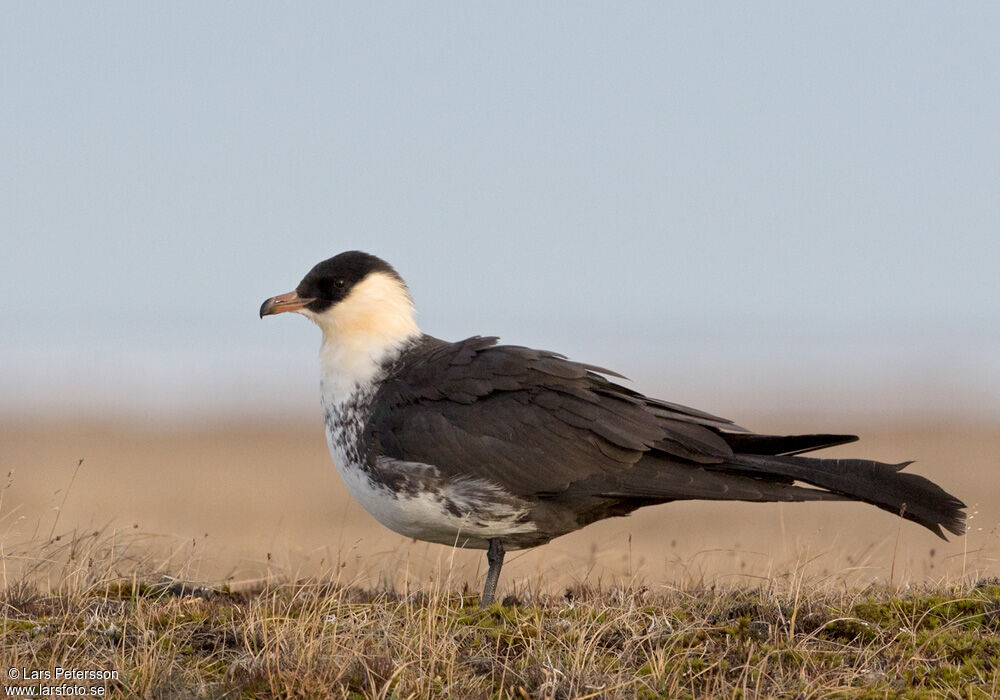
(356, 299)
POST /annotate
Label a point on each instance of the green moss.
(791, 658)
(29, 626)
(917, 644)
(881, 614)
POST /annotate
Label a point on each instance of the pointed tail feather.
(884, 485)
(751, 443)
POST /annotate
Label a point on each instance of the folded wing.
(541, 426)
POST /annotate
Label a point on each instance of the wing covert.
(528, 420)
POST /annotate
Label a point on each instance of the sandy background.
(244, 501)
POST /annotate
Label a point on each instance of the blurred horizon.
(757, 211)
(182, 372)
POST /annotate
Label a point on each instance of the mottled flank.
(413, 498)
(345, 421)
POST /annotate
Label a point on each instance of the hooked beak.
(282, 303)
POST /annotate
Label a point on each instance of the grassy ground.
(799, 638)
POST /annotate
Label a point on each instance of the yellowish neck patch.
(374, 321)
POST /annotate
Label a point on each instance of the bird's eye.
(339, 283)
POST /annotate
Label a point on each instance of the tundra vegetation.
(88, 601)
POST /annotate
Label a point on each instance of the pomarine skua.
(499, 447)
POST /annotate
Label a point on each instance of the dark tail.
(883, 485)
(750, 443)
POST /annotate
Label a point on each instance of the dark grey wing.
(528, 420)
(540, 425)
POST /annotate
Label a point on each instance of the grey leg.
(494, 555)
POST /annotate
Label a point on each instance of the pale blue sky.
(718, 201)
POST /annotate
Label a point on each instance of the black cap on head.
(332, 280)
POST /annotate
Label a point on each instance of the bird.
(502, 447)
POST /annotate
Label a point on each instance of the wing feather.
(539, 425)
(528, 420)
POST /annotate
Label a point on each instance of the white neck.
(371, 325)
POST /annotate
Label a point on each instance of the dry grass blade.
(318, 638)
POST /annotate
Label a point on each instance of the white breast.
(362, 336)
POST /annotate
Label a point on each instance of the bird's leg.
(494, 555)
